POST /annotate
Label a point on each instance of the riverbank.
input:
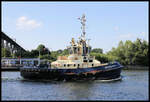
(135, 67)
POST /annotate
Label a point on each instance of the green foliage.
(131, 53)
(65, 52)
(17, 54)
(5, 53)
(54, 55)
(34, 53)
(26, 54)
(40, 47)
(97, 50)
(45, 57)
(127, 53)
(104, 58)
(30, 54)
(59, 51)
(101, 57)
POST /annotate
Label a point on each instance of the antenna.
(88, 41)
(83, 20)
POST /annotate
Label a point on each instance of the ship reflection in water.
(133, 86)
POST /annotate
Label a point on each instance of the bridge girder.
(13, 45)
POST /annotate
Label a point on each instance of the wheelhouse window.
(86, 49)
(78, 49)
(78, 65)
(90, 60)
(84, 60)
(75, 50)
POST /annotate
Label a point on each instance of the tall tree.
(131, 52)
(43, 50)
(40, 47)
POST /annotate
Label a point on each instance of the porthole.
(92, 65)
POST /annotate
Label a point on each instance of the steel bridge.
(11, 45)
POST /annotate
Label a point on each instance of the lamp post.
(39, 56)
(49, 51)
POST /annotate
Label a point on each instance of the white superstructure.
(79, 53)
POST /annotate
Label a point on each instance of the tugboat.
(77, 66)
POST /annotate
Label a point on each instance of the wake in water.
(111, 80)
(11, 79)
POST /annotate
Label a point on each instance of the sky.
(53, 24)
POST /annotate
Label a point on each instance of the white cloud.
(126, 36)
(23, 23)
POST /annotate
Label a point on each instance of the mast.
(83, 40)
(83, 20)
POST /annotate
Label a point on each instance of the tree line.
(127, 53)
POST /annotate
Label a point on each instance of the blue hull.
(109, 71)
